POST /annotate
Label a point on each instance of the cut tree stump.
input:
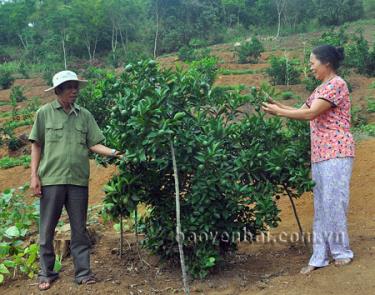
(61, 242)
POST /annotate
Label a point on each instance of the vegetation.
(9, 162)
(249, 51)
(16, 94)
(6, 79)
(358, 54)
(359, 118)
(55, 33)
(284, 71)
(371, 105)
(236, 72)
(17, 220)
(196, 50)
(228, 171)
(289, 95)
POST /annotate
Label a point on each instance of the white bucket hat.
(64, 76)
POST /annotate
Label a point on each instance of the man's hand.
(36, 185)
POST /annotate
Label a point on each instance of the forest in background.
(57, 33)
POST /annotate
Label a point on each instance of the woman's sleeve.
(334, 92)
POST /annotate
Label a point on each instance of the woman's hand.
(271, 108)
(271, 100)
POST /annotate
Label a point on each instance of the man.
(62, 135)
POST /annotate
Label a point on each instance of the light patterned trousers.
(331, 200)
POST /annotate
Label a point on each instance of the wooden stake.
(178, 222)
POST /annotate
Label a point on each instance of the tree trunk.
(88, 46)
(24, 43)
(64, 51)
(121, 238)
(178, 222)
(123, 43)
(296, 215)
(96, 42)
(280, 5)
(278, 25)
(157, 29)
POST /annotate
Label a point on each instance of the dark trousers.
(75, 199)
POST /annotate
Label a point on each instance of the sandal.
(43, 286)
(306, 270)
(88, 281)
(343, 261)
(45, 283)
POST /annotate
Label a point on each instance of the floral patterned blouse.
(330, 132)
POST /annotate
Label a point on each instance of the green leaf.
(116, 227)
(4, 269)
(13, 232)
(9, 263)
(58, 265)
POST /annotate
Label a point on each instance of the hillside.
(274, 267)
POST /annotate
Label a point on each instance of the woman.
(332, 153)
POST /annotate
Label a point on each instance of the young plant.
(16, 220)
(284, 71)
(16, 94)
(121, 198)
(249, 51)
(6, 78)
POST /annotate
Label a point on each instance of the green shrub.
(194, 51)
(368, 129)
(337, 38)
(371, 105)
(6, 79)
(289, 95)
(95, 95)
(24, 70)
(359, 117)
(9, 162)
(311, 82)
(17, 94)
(359, 56)
(33, 105)
(207, 68)
(284, 71)
(249, 52)
(134, 52)
(14, 144)
(230, 165)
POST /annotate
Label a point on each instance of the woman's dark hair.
(329, 54)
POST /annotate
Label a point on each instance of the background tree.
(336, 12)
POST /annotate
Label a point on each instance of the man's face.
(70, 90)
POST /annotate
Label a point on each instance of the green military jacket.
(65, 140)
